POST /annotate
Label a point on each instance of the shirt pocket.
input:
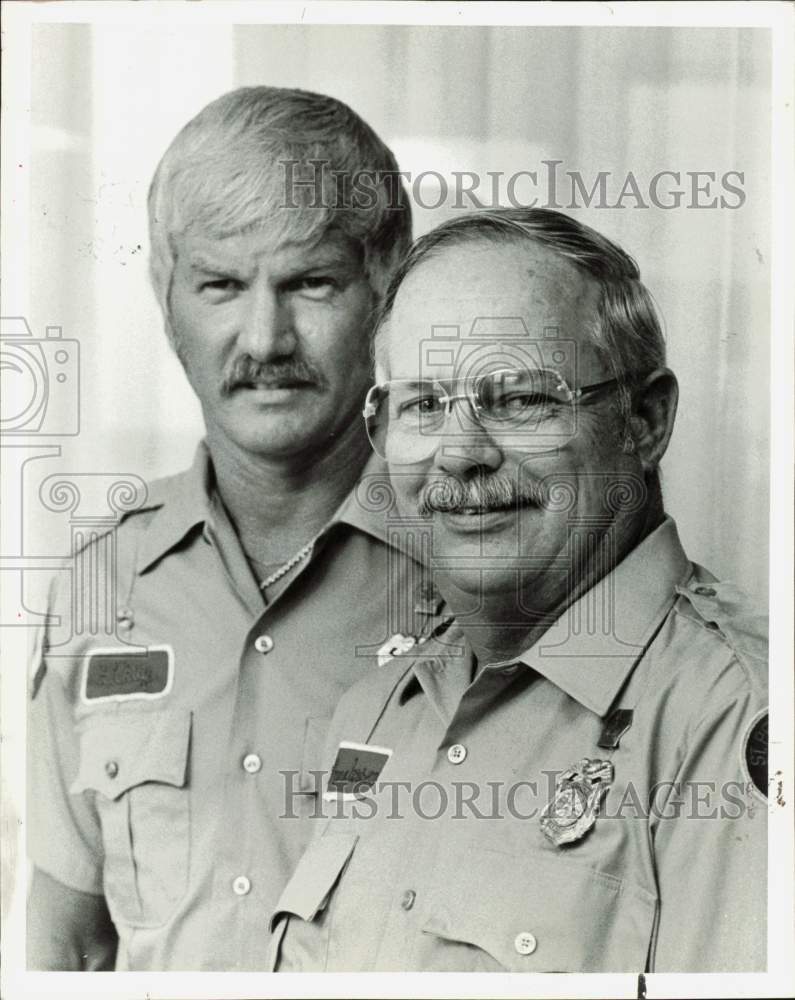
(136, 767)
(307, 893)
(493, 912)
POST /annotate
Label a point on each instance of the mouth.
(493, 508)
(475, 511)
(276, 383)
(492, 517)
(272, 389)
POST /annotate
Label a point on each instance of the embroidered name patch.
(356, 769)
(755, 753)
(120, 674)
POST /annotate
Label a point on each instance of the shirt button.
(252, 763)
(456, 754)
(111, 769)
(241, 886)
(525, 943)
(407, 900)
(706, 591)
(263, 644)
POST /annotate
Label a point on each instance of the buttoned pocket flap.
(118, 752)
(307, 892)
(534, 914)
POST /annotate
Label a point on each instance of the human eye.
(218, 288)
(513, 395)
(521, 400)
(317, 287)
(417, 404)
(521, 406)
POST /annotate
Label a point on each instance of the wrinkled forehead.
(246, 251)
(276, 224)
(474, 308)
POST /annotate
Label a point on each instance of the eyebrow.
(417, 383)
(323, 259)
(327, 257)
(198, 262)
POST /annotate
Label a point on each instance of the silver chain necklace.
(300, 555)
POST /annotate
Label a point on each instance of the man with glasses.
(572, 775)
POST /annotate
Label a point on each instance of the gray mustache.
(496, 492)
(246, 372)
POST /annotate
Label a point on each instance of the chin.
(275, 433)
(482, 583)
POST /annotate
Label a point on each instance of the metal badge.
(578, 792)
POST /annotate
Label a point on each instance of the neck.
(510, 620)
(277, 505)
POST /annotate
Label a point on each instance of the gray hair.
(627, 335)
(286, 158)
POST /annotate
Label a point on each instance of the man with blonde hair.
(250, 590)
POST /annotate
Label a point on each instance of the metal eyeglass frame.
(447, 400)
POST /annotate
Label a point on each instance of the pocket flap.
(308, 890)
(538, 914)
(120, 751)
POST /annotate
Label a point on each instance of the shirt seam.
(733, 656)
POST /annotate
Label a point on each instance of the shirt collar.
(591, 666)
(443, 669)
(182, 502)
(185, 500)
(368, 505)
(617, 619)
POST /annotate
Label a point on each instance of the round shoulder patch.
(755, 753)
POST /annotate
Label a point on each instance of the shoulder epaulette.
(725, 607)
(96, 531)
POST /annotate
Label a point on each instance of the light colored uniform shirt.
(672, 874)
(172, 803)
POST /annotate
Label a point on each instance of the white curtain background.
(107, 99)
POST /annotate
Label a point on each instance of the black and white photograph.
(397, 447)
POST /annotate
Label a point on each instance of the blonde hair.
(251, 158)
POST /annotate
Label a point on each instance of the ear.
(653, 414)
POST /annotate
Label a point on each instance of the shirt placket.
(249, 851)
(448, 754)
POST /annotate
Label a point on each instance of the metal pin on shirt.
(578, 792)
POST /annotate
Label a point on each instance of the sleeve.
(64, 833)
(710, 851)
(67, 930)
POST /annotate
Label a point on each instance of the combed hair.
(250, 159)
(627, 335)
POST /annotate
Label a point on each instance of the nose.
(465, 446)
(267, 330)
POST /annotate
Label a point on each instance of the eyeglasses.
(528, 409)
